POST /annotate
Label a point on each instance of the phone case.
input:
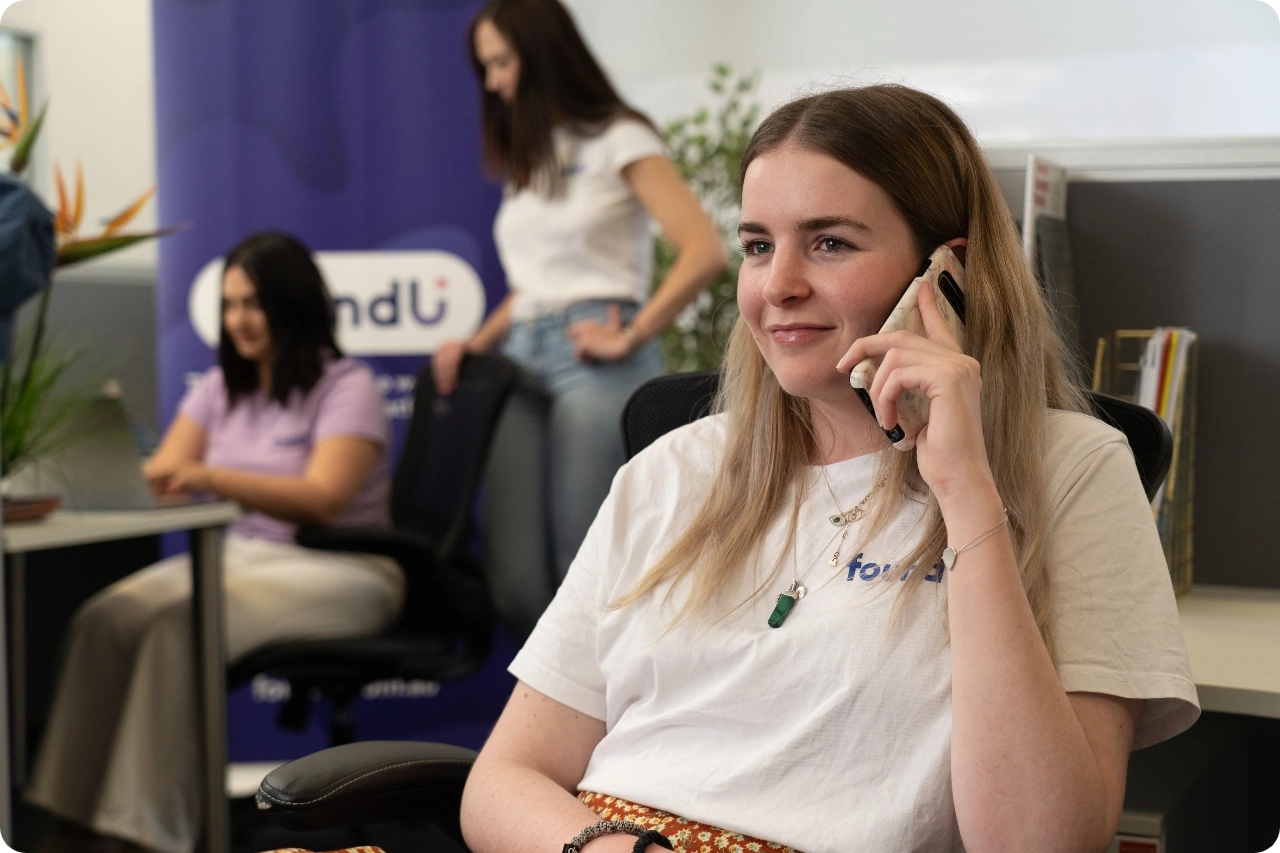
(944, 270)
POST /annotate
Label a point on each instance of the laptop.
(100, 468)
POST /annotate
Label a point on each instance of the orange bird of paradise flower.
(21, 133)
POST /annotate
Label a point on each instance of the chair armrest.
(365, 783)
(401, 545)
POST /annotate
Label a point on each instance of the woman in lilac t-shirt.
(297, 435)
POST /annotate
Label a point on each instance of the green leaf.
(78, 251)
(37, 409)
(706, 148)
(22, 151)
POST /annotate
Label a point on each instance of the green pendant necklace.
(786, 601)
(842, 520)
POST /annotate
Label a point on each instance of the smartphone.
(944, 270)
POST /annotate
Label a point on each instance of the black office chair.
(662, 404)
(392, 781)
(1148, 434)
(445, 630)
(665, 403)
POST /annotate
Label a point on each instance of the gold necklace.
(796, 591)
(846, 518)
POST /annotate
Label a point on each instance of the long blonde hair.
(921, 154)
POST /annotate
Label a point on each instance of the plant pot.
(30, 508)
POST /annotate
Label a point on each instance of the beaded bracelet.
(651, 837)
(644, 837)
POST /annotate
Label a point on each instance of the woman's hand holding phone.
(929, 365)
(950, 449)
(945, 271)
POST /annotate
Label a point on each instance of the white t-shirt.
(833, 732)
(593, 240)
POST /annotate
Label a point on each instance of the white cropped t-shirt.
(592, 239)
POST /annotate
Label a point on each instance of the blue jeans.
(557, 447)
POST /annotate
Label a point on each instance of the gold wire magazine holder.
(1118, 367)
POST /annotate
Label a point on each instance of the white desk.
(205, 523)
(1233, 639)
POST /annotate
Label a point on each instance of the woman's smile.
(790, 334)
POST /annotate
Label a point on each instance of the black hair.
(300, 317)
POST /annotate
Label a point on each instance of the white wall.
(94, 65)
(1018, 69)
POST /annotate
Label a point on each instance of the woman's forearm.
(519, 796)
(696, 265)
(700, 252)
(1024, 775)
(183, 443)
(338, 468)
(297, 500)
(494, 328)
(542, 816)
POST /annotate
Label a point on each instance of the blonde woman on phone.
(783, 632)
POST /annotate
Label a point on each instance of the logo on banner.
(388, 303)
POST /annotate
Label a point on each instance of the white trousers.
(121, 754)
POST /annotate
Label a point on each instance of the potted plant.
(36, 403)
(706, 147)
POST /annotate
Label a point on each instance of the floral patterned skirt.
(343, 850)
(686, 836)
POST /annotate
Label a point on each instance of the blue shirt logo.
(858, 570)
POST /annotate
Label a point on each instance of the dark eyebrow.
(817, 223)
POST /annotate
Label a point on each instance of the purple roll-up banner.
(354, 125)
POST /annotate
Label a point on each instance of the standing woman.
(585, 175)
(297, 435)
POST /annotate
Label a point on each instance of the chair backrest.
(445, 450)
(665, 403)
(1148, 434)
(662, 404)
